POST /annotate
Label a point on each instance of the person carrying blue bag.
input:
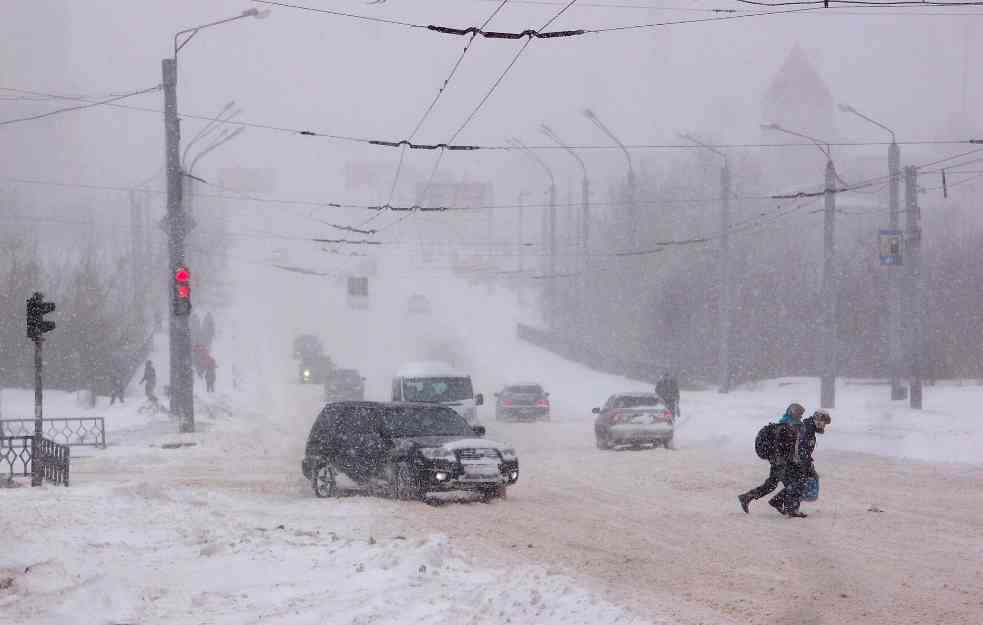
(801, 480)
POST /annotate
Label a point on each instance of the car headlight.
(437, 453)
(508, 454)
(307, 373)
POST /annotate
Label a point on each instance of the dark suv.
(522, 402)
(407, 450)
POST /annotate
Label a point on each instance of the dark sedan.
(522, 402)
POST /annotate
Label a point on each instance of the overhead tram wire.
(80, 107)
(498, 147)
(484, 99)
(429, 110)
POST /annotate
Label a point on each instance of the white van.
(438, 383)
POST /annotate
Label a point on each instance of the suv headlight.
(508, 454)
(437, 453)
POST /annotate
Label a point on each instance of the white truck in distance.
(438, 383)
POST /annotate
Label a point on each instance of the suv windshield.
(409, 422)
(437, 390)
(531, 389)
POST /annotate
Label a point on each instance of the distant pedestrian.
(116, 386)
(668, 389)
(210, 366)
(149, 380)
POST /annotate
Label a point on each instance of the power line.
(364, 18)
(862, 3)
(722, 18)
(80, 106)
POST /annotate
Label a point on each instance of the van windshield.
(437, 390)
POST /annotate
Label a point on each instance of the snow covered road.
(226, 531)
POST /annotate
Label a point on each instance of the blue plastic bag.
(810, 489)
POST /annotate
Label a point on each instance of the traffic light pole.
(181, 377)
(827, 386)
(37, 476)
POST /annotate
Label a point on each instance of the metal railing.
(21, 455)
(72, 431)
(15, 455)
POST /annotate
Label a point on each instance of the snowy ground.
(226, 531)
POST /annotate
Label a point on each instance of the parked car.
(344, 385)
(438, 383)
(406, 450)
(634, 419)
(522, 402)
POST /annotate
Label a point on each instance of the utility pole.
(827, 392)
(726, 288)
(895, 351)
(893, 325)
(181, 377)
(520, 231)
(137, 260)
(916, 296)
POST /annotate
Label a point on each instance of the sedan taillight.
(543, 403)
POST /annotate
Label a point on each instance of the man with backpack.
(775, 443)
(668, 389)
(800, 468)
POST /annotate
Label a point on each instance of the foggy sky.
(303, 70)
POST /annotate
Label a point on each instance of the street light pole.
(895, 350)
(549, 236)
(176, 226)
(632, 209)
(584, 230)
(830, 336)
(726, 288)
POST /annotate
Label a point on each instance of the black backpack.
(766, 441)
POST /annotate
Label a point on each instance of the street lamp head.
(770, 126)
(258, 14)
(846, 108)
(589, 114)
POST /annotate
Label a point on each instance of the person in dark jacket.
(210, 366)
(801, 466)
(116, 386)
(149, 380)
(780, 456)
(668, 389)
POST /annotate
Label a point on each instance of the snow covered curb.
(144, 553)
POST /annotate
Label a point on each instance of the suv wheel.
(324, 482)
(402, 486)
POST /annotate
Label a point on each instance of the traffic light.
(182, 291)
(37, 308)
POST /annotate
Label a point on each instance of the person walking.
(149, 380)
(210, 366)
(801, 467)
(116, 386)
(668, 389)
(781, 444)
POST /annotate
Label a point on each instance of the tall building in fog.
(798, 99)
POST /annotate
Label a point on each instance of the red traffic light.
(182, 275)
(183, 291)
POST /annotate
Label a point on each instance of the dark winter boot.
(744, 500)
(796, 514)
(777, 505)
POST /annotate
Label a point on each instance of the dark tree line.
(99, 333)
(662, 308)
